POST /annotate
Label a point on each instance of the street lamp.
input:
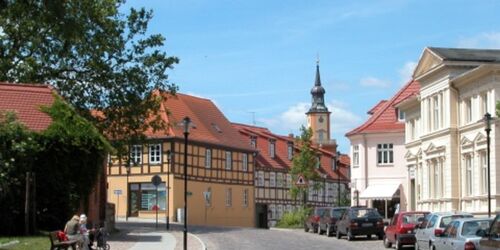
(127, 168)
(487, 123)
(337, 168)
(169, 154)
(186, 123)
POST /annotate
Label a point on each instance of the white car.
(461, 234)
(434, 225)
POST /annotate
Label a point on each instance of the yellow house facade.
(220, 170)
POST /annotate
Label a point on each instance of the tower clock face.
(320, 119)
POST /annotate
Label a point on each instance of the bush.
(294, 219)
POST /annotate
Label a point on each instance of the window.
(288, 180)
(280, 211)
(437, 179)
(155, 153)
(435, 100)
(272, 179)
(318, 161)
(229, 198)
(279, 180)
(260, 178)
(484, 173)
(320, 136)
(253, 141)
(484, 103)
(384, 153)
(468, 110)
(208, 158)
(355, 156)
(401, 115)
(290, 151)
(229, 160)
(468, 175)
(272, 211)
(272, 148)
(334, 164)
(245, 162)
(245, 197)
(136, 154)
(412, 129)
(146, 195)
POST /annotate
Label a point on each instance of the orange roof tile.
(25, 100)
(385, 118)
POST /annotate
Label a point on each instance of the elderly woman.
(85, 232)
(72, 230)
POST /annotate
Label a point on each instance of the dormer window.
(401, 115)
(253, 142)
(318, 161)
(290, 151)
(272, 148)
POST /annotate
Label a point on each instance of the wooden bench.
(55, 244)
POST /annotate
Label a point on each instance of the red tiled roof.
(376, 107)
(209, 125)
(25, 100)
(281, 162)
(385, 118)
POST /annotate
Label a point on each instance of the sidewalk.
(139, 234)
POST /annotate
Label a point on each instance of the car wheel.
(327, 233)
(397, 244)
(369, 236)
(350, 237)
(306, 228)
(337, 234)
(315, 229)
(319, 230)
(381, 236)
(387, 243)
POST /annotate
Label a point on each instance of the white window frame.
(253, 141)
(435, 113)
(401, 115)
(385, 154)
(208, 158)
(229, 198)
(468, 110)
(355, 156)
(484, 102)
(484, 172)
(245, 197)
(272, 148)
(272, 208)
(272, 179)
(288, 180)
(279, 180)
(155, 153)
(260, 178)
(136, 154)
(469, 176)
(229, 160)
(245, 162)
(280, 211)
(437, 179)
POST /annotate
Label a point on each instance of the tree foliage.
(66, 160)
(98, 59)
(304, 163)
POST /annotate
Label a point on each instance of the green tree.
(305, 163)
(98, 59)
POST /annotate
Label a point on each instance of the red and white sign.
(301, 181)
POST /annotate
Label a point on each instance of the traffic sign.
(156, 180)
(117, 191)
(301, 181)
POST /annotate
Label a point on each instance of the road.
(227, 238)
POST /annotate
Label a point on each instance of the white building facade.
(445, 134)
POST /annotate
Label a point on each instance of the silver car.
(461, 234)
(433, 225)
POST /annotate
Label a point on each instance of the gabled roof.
(281, 161)
(376, 107)
(25, 101)
(460, 54)
(209, 125)
(385, 118)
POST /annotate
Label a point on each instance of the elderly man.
(72, 230)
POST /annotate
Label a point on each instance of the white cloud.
(374, 82)
(406, 71)
(486, 40)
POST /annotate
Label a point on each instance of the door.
(261, 210)
(390, 231)
(134, 200)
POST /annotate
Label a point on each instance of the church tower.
(318, 116)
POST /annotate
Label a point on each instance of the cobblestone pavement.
(229, 238)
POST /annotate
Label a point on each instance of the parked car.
(461, 234)
(434, 225)
(401, 229)
(327, 222)
(491, 237)
(360, 221)
(312, 221)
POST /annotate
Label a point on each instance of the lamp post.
(127, 168)
(169, 154)
(186, 123)
(338, 177)
(487, 123)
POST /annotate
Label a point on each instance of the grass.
(40, 242)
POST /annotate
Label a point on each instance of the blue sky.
(257, 58)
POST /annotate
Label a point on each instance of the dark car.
(360, 221)
(312, 221)
(491, 238)
(401, 229)
(330, 218)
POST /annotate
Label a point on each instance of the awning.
(379, 192)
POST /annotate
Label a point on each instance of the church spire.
(318, 80)
(318, 94)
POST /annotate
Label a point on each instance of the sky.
(256, 60)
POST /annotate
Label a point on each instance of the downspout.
(459, 148)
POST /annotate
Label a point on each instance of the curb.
(203, 246)
(284, 229)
